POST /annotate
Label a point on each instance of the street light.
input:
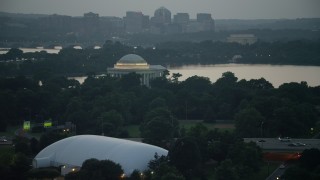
(186, 110)
(261, 128)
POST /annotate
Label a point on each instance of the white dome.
(73, 151)
(131, 59)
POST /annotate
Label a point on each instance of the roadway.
(277, 173)
(275, 145)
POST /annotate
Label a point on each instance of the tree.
(43, 173)
(249, 123)
(20, 165)
(296, 173)
(3, 123)
(111, 170)
(157, 130)
(14, 53)
(22, 147)
(310, 158)
(49, 138)
(165, 171)
(286, 122)
(196, 84)
(186, 156)
(34, 145)
(93, 169)
(226, 171)
(157, 103)
(130, 80)
(246, 157)
(175, 77)
(159, 126)
(113, 117)
(255, 84)
(227, 79)
(135, 175)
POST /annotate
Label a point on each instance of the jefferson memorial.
(134, 63)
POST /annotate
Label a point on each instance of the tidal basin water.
(26, 50)
(275, 74)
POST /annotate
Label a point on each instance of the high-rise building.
(90, 23)
(135, 21)
(181, 18)
(206, 21)
(202, 17)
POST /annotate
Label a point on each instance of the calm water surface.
(275, 74)
(25, 50)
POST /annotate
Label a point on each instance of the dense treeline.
(105, 104)
(73, 61)
(290, 110)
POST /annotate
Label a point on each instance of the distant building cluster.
(134, 22)
(162, 22)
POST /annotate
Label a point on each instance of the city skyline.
(226, 9)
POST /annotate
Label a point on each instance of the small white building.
(69, 153)
(134, 63)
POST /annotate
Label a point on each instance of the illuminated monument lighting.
(134, 63)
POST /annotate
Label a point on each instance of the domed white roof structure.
(70, 153)
(132, 63)
(131, 59)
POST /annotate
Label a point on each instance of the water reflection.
(275, 74)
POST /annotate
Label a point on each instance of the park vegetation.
(38, 89)
(107, 105)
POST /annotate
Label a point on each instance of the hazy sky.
(220, 9)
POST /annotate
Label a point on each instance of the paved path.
(277, 173)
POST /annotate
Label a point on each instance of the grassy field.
(134, 131)
(10, 131)
(187, 124)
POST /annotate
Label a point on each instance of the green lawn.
(220, 126)
(134, 131)
(10, 131)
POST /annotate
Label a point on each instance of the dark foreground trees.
(108, 104)
(95, 169)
